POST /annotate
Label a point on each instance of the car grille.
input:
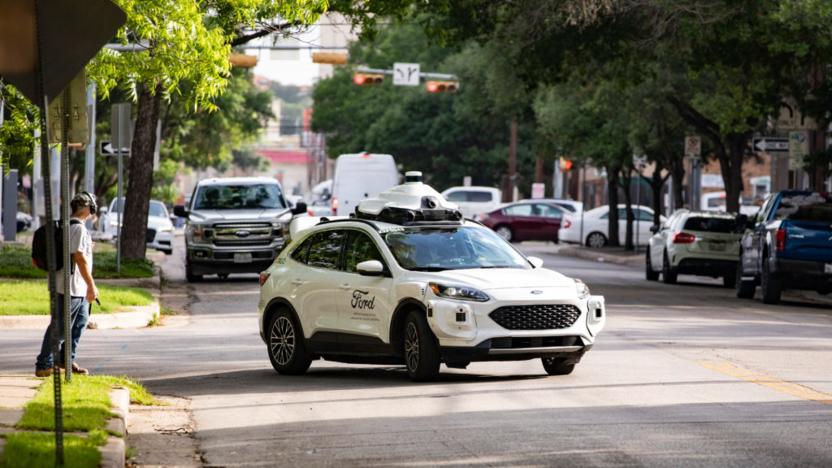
(242, 234)
(150, 235)
(536, 317)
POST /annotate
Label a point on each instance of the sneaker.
(79, 370)
(43, 372)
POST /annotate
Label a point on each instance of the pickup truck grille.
(536, 317)
(242, 234)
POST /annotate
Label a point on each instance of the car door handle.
(298, 282)
(345, 286)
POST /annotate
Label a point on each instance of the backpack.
(39, 258)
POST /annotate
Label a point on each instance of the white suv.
(409, 282)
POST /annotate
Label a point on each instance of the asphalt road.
(683, 375)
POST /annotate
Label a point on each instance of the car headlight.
(280, 229)
(196, 231)
(166, 229)
(582, 289)
(462, 293)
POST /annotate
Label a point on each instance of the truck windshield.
(237, 197)
(438, 249)
(813, 207)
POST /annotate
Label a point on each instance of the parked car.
(525, 221)
(787, 246)
(570, 206)
(595, 223)
(235, 225)
(159, 225)
(703, 243)
(360, 176)
(474, 200)
(715, 201)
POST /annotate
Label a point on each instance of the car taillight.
(310, 212)
(781, 240)
(264, 276)
(334, 205)
(684, 238)
(566, 224)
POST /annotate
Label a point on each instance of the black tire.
(729, 280)
(745, 289)
(420, 349)
(556, 366)
(285, 345)
(771, 286)
(505, 232)
(596, 240)
(669, 274)
(649, 272)
(189, 274)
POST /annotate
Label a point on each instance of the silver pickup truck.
(235, 225)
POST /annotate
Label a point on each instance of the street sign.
(770, 145)
(106, 148)
(693, 147)
(538, 190)
(406, 74)
(639, 162)
(79, 131)
(798, 148)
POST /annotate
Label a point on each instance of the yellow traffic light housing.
(448, 86)
(363, 79)
(332, 58)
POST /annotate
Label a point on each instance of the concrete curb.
(133, 317)
(601, 256)
(114, 452)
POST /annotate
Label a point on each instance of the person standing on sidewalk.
(82, 289)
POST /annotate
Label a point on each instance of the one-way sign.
(106, 148)
(771, 145)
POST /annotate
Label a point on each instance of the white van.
(474, 200)
(360, 176)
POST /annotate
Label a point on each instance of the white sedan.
(159, 227)
(596, 221)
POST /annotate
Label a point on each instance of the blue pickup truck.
(788, 245)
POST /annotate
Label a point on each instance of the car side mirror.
(370, 268)
(300, 208)
(536, 262)
(655, 228)
(179, 210)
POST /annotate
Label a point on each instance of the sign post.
(639, 162)
(693, 150)
(120, 130)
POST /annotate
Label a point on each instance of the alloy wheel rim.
(504, 232)
(411, 346)
(282, 340)
(595, 241)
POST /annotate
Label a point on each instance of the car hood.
(506, 278)
(157, 222)
(215, 216)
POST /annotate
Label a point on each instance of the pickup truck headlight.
(196, 232)
(462, 293)
(582, 289)
(279, 229)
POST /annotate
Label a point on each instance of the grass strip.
(16, 262)
(31, 297)
(86, 403)
(37, 450)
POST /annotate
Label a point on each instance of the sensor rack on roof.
(411, 202)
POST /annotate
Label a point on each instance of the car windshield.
(235, 197)
(157, 210)
(438, 249)
(813, 207)
(723, 225)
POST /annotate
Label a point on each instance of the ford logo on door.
(242, 233)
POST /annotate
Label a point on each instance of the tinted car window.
(547, 211)
(518, 210)
(325, 249)
(813, 207)
(360, 249)
(457, 197)
(711, 224)
(566, 206)
(641, 215)
(299, 255)
(480, 197)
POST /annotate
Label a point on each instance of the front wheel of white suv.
(420, 349)
(556, 366)
(287, 350)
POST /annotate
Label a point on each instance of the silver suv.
(235, 225)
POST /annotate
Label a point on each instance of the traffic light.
(565, 164)
(363, 79)
(331, 58)
(442, 86)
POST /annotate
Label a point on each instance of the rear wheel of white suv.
(420, 349)
(287, 350)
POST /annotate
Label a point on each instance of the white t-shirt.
(79, 241)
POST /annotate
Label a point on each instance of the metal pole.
(2, 106)
(119, 204)
(638, 204)
(89, 161)
(65, 214)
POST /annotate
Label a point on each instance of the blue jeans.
(80, 312)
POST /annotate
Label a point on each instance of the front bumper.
(163, 240)
(466, 330)
(208, 258)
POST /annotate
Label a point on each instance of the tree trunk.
(626, 184)
(538, 169)
(677, 173)
(612, 194)
(656, 182)
(140, 182)
(731, 166)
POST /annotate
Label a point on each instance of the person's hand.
(92, 293)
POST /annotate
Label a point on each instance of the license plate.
(718, 246)
(827, 268)
(242, 258)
